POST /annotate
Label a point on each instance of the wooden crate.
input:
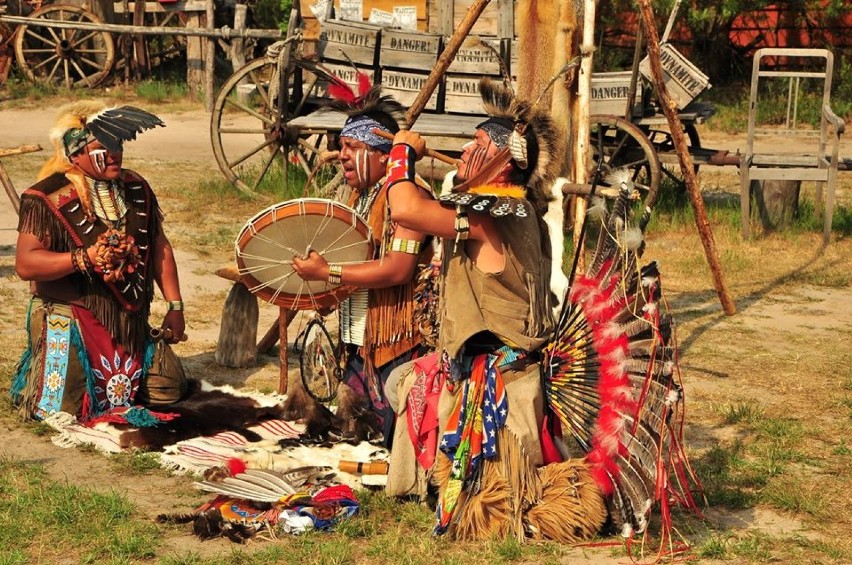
(461, 94)
(409, 49)
(404, 86)
(609, 93)
(347, 74)
(475, 57)
(360, 42)
(683, 80)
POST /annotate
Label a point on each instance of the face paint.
(99, 159)
(362, 167)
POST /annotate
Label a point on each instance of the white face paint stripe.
(98, 157)
(361, 168)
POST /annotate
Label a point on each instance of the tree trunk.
(776, 202)
(237, 345)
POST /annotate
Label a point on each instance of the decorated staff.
(91, 241)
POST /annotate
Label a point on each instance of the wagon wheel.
(622, 145)
(252, 141)
(64, 57)
(662, 140)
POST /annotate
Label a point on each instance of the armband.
(401, 164)
(410, 246)
(335, 273)
(175, 306)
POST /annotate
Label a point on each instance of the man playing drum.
(377, 321)
(493, 460)
(91, 241)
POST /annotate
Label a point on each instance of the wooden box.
(461, 94)
(683, 80)
(360, 42)
(404, 86)
(475, 57)
(347, 74)
(409, 49)
(609, 93)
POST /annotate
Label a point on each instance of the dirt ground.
(185, 145)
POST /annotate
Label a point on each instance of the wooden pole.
(20, 150)
(285, 316)
(580, 162)
(447, 56)
(209, 59)
(686, 167)
(10, 189)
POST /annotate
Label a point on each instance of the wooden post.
(285, 316)
(194, 55)
(447, 56)
(140, 48)
(209, 59)
(238, 44)
(580, 161)
(686, 166)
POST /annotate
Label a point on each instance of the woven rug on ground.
(264, 443)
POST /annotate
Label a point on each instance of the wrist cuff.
(175, 306)
(401, 164)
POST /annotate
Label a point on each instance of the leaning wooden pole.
(686, 166)
(447, 56)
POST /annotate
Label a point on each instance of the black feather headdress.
(79, 122)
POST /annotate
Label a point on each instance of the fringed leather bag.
(166, 380)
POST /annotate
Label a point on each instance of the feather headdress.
(77, 123)
(367, 108)
(530, 135)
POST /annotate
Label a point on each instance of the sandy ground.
(187, 138)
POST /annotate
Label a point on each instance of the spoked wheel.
(319, 363)
(64, 57)
(326, 178)
(622, 145)
(252, 141)
(662, 140)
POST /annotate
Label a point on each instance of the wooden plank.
(359, 42)
(461, 94)
(487, 24)
(408, 49)
(791, 160)
(346, 73)
(609, 93)
(157, 7)
(312, 25)
(405, 85)
(756, 173)
(475, 57)
(427, 124)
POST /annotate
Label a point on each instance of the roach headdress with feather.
(367, 109)
(528, 134)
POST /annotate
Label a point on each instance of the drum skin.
(268, 242)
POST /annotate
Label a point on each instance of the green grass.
(156, 91)
(42, 520)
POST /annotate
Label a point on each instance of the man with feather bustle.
(497, 470)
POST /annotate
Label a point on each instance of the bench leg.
(829, 206)
(745, 199)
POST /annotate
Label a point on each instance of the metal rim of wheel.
(319, 350)
(623, 145)
(65, 57)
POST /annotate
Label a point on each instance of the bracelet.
(462, 224)
(175, 306)
(335, 273)
(410, 246)
(80, 262)
(401, 164)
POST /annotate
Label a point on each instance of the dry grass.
(769, 391)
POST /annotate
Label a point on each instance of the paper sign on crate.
(380, 17)
(405, 17)
(352, 10)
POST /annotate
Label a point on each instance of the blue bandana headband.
(498, 129)
(361, 129)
